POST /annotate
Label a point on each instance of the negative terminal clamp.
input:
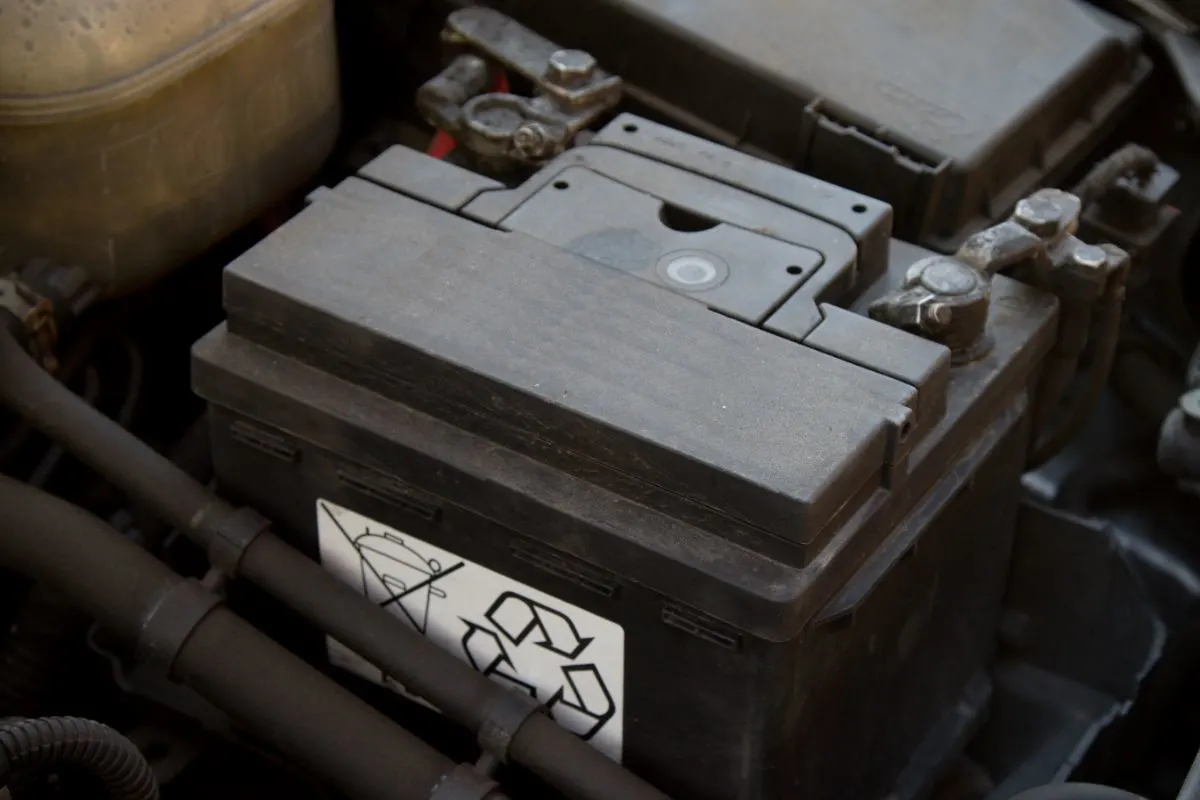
(501, 128)
(1039, 245)
(946, 298)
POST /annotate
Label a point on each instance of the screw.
(1189, 404)
(570, 69)
(947, 276)
(531, 141)
(1039, 215)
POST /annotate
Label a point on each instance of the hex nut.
(570, 69)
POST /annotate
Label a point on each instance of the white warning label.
(568, 659)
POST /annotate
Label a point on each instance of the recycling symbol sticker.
(569, 660)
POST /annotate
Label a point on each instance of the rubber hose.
(1130, 159)
(33, 657)
(1077, 791)
(59, 743)
(75, 360)
(273, 693)
(546, 749)
(193, 455)
(49, 463)
(557, 756)
(104, 445)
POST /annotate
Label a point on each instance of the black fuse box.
(950, 110)
(746, 562)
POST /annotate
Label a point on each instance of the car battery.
(949, 111)
(622, 437)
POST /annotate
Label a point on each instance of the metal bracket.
(235, 533)
(37, 298)
(464, 783)
(169, 624)
(33, 319)
(502, 718)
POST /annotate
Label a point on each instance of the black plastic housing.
(951, 112)
(809, 595)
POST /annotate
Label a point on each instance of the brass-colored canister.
(134, 134)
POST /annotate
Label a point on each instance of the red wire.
(443, 144)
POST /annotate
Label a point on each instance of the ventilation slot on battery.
(273, 444)
(567, 567)
(865, 158)
(702, 626)
(394, 492)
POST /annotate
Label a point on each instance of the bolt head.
(570, 69)
(531, 141)
(1040, 215)
(946, 276)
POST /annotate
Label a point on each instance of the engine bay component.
(501, 128)
(745, 237)
(136, 136)
(1130, 211)
(1038, 243)
(540, 448)
(916, 103)
(946, 299)
(549, 449)
(38, 299)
